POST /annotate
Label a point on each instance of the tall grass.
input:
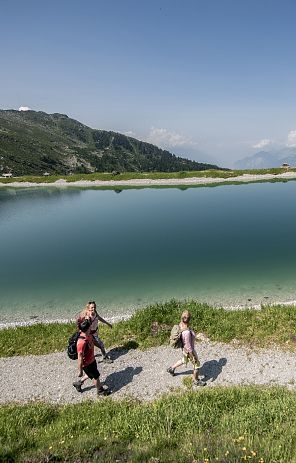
(274, 325)
(224, 425)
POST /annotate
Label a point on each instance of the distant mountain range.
(36, 142)
(195, 153)
(267, 159)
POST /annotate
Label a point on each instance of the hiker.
(86, 360)
(187, 338)
(90, 312)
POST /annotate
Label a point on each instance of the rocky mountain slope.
(36, 142)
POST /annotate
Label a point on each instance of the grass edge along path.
(271, 326)
(210, 425)
(104, 176)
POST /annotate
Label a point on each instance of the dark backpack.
(72, 346)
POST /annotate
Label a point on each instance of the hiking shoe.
(171, 371)
(199, 382)
(107, 359)
(77, 385)
(104, 391)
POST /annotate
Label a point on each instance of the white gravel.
(150, 182)
(142, 374)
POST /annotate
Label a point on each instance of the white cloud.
(130, 133)
(24, 108)
(291, 139)
(262, 143)
(165, 138)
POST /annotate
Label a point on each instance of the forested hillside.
(36, 142)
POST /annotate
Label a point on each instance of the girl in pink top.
(188, 351)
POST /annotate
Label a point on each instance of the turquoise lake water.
(227, 245)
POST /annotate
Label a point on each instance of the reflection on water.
(63, 246)
(8, 194)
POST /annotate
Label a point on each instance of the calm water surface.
(62, 247)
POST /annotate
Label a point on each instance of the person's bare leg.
(195, 375)
(77, 384)
(98, 384)
(176, 365)
(100, 390)
(171, 370)
(83, 378)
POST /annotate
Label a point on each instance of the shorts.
(92, 370)
(191, 357)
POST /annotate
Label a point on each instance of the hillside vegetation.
(32, 143)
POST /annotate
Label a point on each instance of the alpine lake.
(228, 245)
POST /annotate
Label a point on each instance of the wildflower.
(244, 449)
(227, 453)
(205, 449)
(253, 453)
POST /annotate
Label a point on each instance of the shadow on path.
(212, 369)
(119, 379)
(87, 388)
(117, 352)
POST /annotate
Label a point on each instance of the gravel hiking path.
(142, 374)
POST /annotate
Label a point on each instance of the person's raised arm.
(101, 319)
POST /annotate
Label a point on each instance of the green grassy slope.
(226, 425)
(151, 326)
(32, 143)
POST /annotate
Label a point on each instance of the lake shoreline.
(239, 294)
(245, 178)
(117, 318)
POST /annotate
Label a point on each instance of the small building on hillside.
(285, 165)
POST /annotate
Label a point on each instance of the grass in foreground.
(210, 425)
(144, 175)
(275, 325)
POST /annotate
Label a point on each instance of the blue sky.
(202, 78)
